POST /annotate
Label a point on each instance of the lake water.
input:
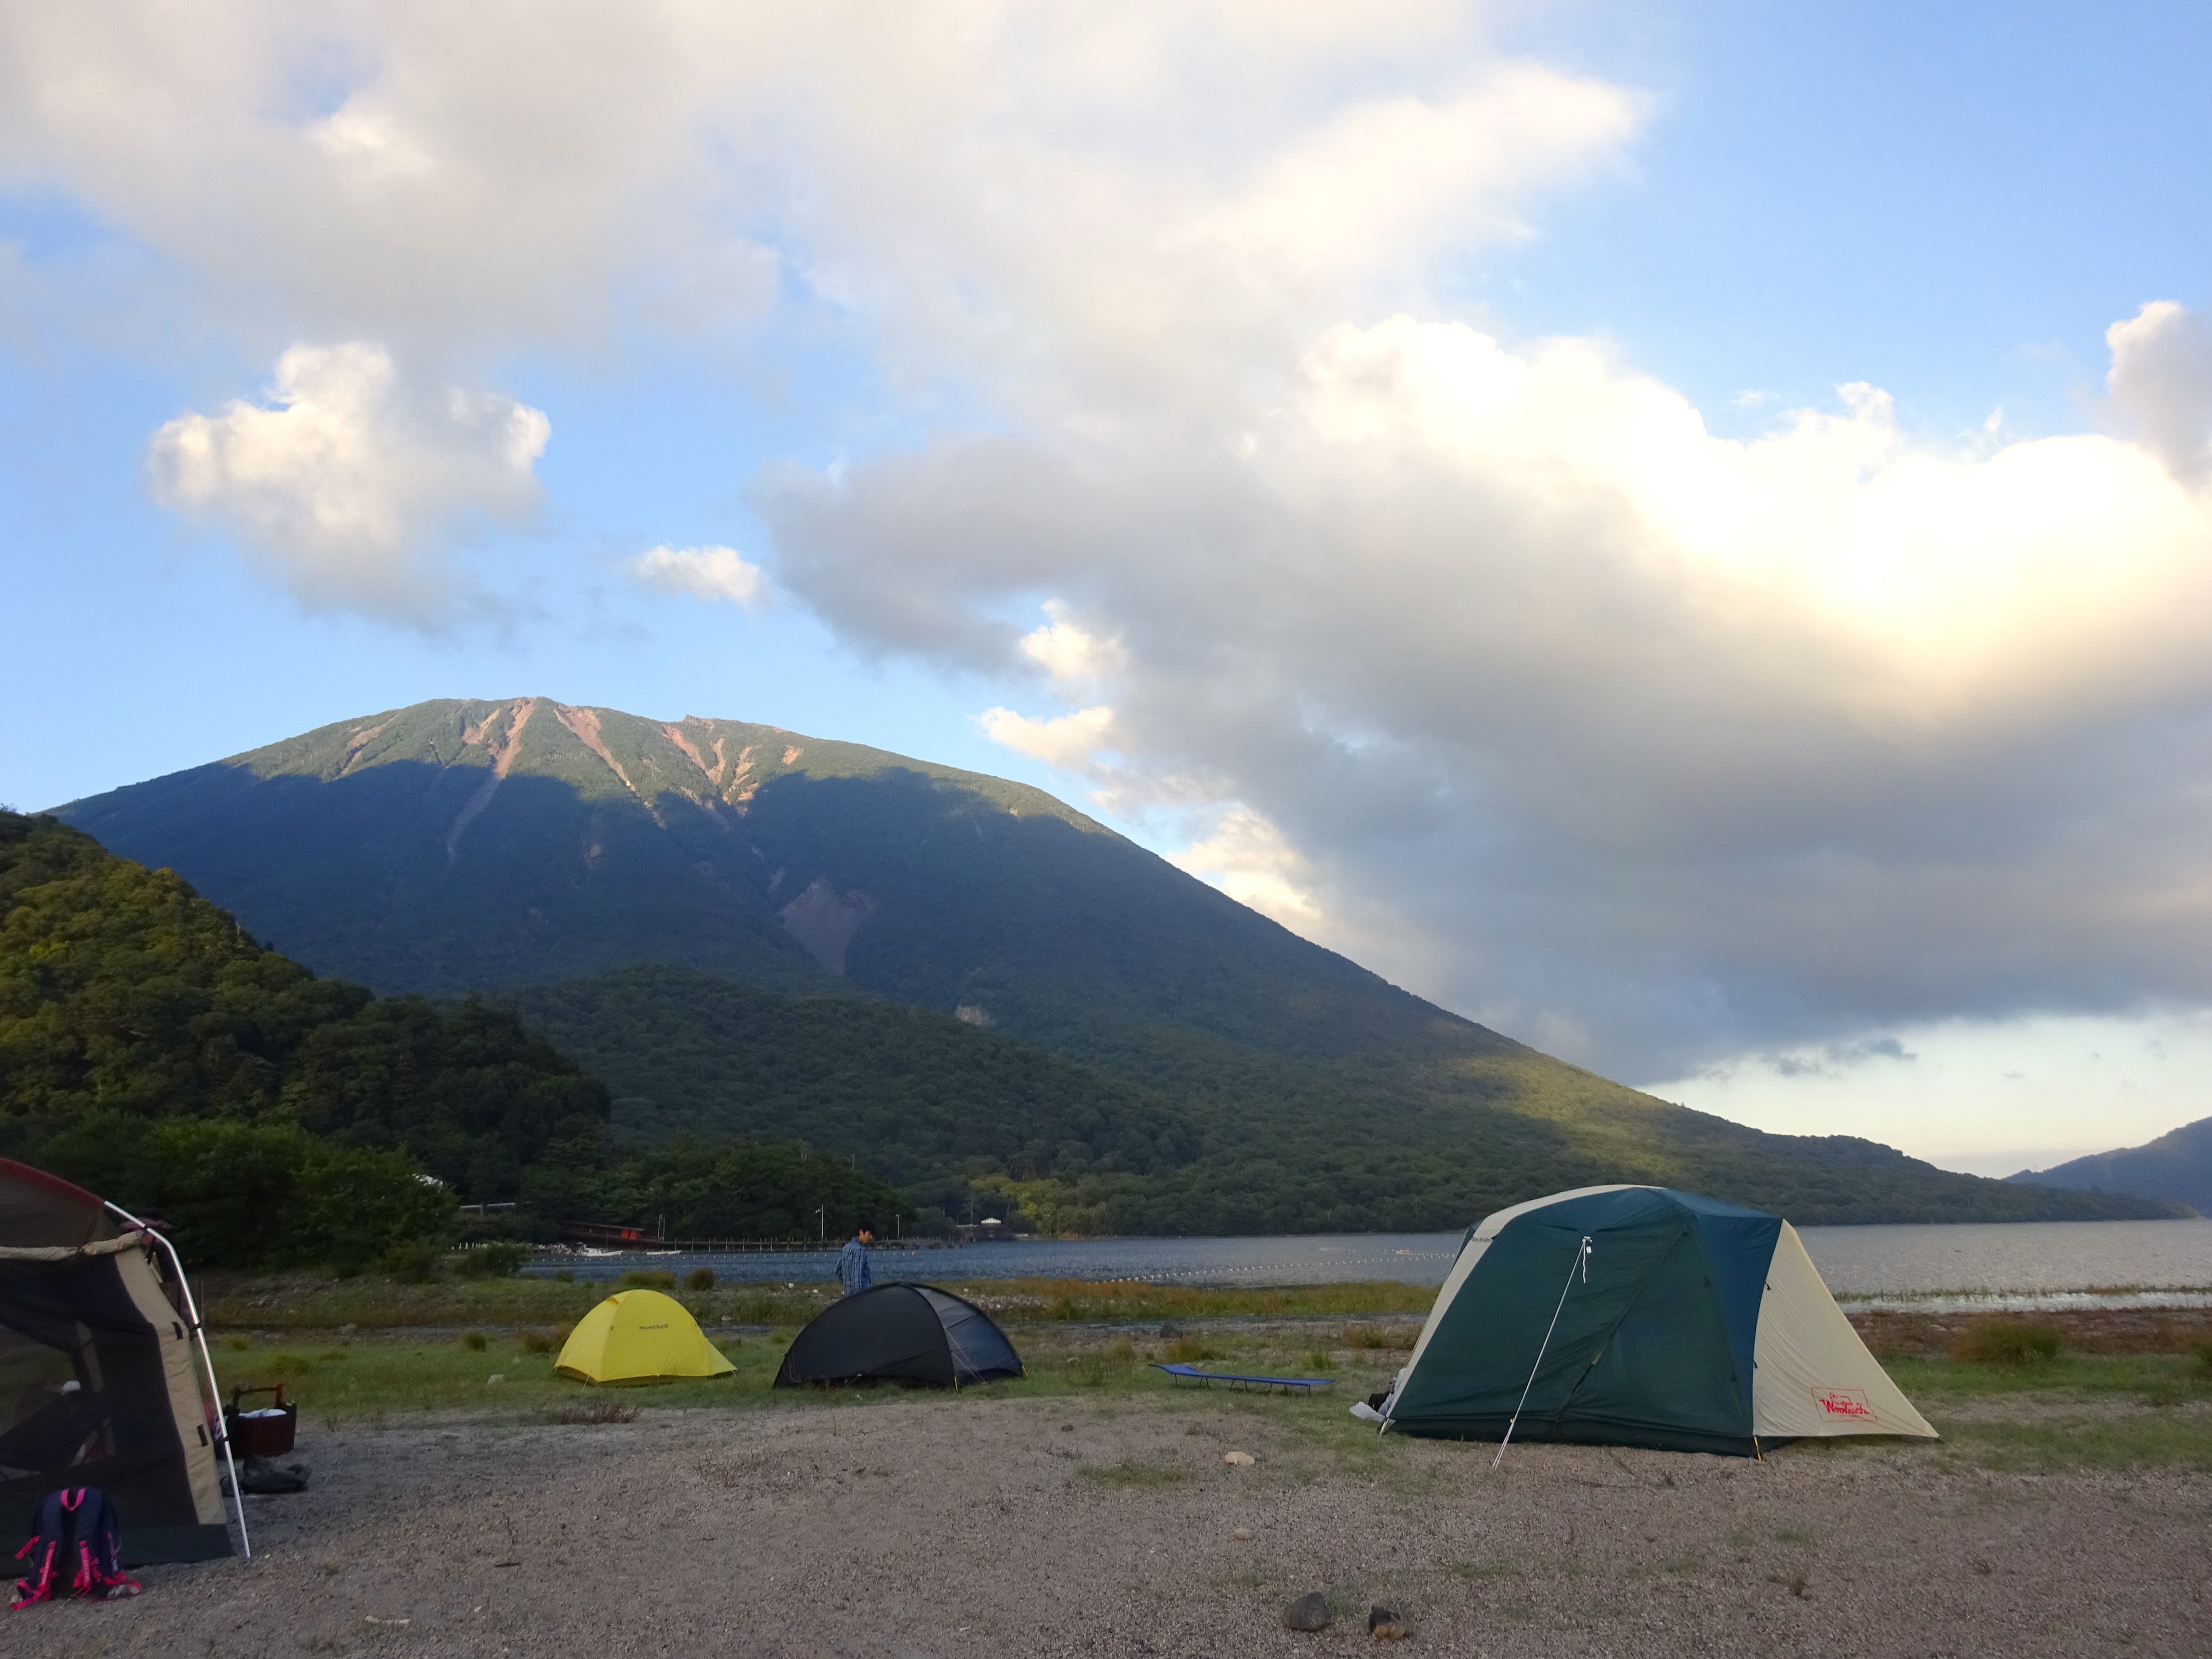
(2017, 1264)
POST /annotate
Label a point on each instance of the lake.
(2016, 1264)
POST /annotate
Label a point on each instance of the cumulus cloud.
(1070, 742)
(346, 488)
(2161, 381)
(1659, 745)
(704, 573)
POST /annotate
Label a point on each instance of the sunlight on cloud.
(1070, 742)
(348, 490)
(1657, 744)
(1251, 861)
(704, 573)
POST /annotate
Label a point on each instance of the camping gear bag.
(75, 1549)
(268, 1432)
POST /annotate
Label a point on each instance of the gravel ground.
(919, 1525)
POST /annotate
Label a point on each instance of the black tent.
(101, 1372)
(916, 1333)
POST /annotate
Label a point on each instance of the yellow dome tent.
(639, 1336)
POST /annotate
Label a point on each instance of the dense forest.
(153, 1051)
(1217, 1140)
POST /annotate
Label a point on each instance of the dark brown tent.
(101, 1372)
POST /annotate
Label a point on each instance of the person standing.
(853, 1261)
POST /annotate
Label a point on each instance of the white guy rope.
(1582, 1259)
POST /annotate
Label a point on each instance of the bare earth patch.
(923, 1525)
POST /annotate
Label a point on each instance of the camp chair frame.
(207, 1367)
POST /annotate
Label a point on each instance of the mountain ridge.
(2176, 1166)
(494, 847)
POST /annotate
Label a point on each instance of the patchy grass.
(2119, 1441)
(2001, 1339)
(311, 1301)
(1130, 1473)
(2150, 1378)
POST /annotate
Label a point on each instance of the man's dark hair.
(863, 1225)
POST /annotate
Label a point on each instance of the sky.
(1683, 533)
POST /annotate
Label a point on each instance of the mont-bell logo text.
(1842, 1402)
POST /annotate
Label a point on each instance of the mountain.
(1233, 1075)
(2177, 1167)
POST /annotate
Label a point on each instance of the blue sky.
(1363, 451)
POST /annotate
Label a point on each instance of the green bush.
(502, 1259)
(2001, 1339)
(255, 1195)
(413, 1262)
(639, 1279)
(699, 1278)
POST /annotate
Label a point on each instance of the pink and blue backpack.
(75, 1549)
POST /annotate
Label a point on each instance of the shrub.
(2001, 1339)
(566, 1276)
(1319, 1360)
(475, 1341)
(532, 1341)
(1380, 1336)
(413, 1262)
(641, 1278)
(501, 1259)
(1185, 1349)
(699, 1278)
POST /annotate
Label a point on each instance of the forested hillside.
(153, 1050)
(2176, 1167)
(943, 1109)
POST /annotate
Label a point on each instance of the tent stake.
(1582, 1259)
(207, 1365)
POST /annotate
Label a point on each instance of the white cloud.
(349, 490)
(704, 573)
(2161, 381)
(1660, 747)
(1070, 742)
(1252, 861)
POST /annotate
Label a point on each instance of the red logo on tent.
(1842, 1402)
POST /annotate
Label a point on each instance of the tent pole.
(207, 1366)
(1582, 1260)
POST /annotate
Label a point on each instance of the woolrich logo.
(1842, 1402)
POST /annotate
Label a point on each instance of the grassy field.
(367, 1352)
(314, 1302)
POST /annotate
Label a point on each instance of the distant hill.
(2177, 1167)
(1227, 1075)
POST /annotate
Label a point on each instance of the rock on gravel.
(1308, 1612)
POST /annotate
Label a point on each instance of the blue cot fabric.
(853, 1268)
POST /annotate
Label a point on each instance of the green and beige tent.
(1640, 1316)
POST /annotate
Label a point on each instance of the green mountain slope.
(498, 846)
(152, 1050)
(942, 1109)
(2177, 1167)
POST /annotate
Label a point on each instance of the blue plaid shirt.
(853, 1268)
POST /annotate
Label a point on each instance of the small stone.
(1385, 1625)
(1242, 1534)
(1067, 1428)
(1239, 1460)
(1308, 1612)
(495, 1379)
